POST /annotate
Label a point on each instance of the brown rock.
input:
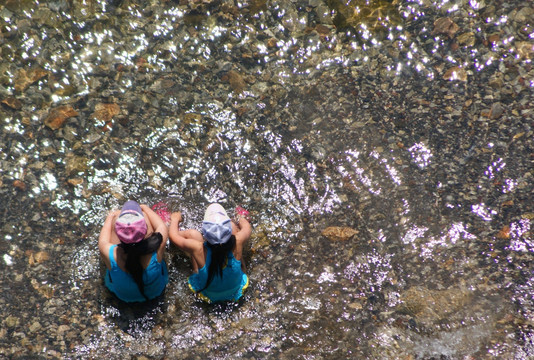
(38, 257)
(192, 118)
(496, 81)
(272, 43)
(466, 39)
(495, 112)
(433, 305)
(75, 164)
(322, 29)
(337, 233)
(11, 321)
(19, 185)
(504, 233)
(455, 73)
(75, 181)
(445, 26)
(57, 116)
(493, 38)
(13, 103)
(236, 81)
(24, 78)
(525, 49)
(105, 112)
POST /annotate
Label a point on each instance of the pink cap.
(131, 225)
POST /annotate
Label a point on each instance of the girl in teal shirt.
(216, 254)
(132, 245)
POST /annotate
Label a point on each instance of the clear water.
(418, 139)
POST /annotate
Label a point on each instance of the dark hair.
(219, 259)
(133, 257)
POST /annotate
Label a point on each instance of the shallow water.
(387, 163)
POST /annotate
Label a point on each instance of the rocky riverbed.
(384, 149)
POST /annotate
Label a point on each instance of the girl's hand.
(113, 214)
(176, 216)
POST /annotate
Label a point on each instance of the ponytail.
(219, 259)
(133, 257)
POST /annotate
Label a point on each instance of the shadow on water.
(135, 319)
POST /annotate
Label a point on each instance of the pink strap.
(162, 210)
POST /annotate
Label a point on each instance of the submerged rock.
(13, 103)
(336, 233)
(75, 164)
(105, 112)
(445, 26)
(57, 116)
(433, 305)
(25, 78)
(236, 81)
(18, 184)
(455, 73)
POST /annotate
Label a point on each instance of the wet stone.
(11, 321)
(35, 326)
(236, 81)
(466, 39)
(495, 112)
(13, 103)
(445, 26)
(105, 112)
(57, 116)
(455, 73)
(337, 233)
(433, 305)
(20, 185)
(62, 329)
(26, 77)
(75, 164)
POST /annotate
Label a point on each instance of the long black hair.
(133, 257)
(219, 259)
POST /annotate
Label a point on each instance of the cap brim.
(131, 205)
(216, 214)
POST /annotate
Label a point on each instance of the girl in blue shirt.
(216, 254)
(132, 244)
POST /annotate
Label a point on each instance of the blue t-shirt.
(229, 287)
(122, 284)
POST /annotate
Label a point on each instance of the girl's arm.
(189, 241)
(105, 237)
(159, 226)
(242, 234)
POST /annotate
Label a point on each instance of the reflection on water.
(404, 128)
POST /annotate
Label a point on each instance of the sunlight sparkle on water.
(421, 154)
(352, 159)
(494, 168)
(326, 276)
(483, 211)
(519, 236)
(372, 268)
(509, 185)
(8, 260)
(48, 182)
(456, 232)
(414, 233)
(406, 207)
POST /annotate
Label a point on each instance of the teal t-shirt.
(229, 287)
(122, 284)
